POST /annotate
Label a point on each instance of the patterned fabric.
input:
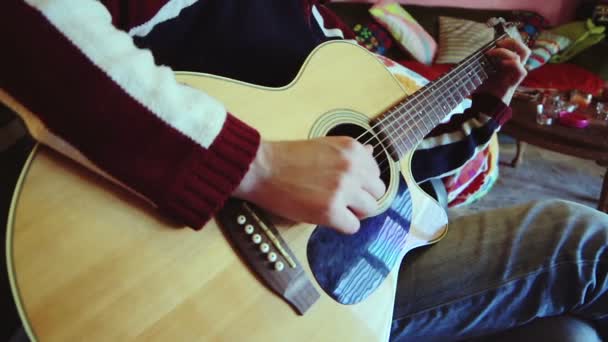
(459, 38)
(473, 178)
(351, 267)
(547, 45)
(406, 31)
(531, 26)
(457, 183)
(373, 37)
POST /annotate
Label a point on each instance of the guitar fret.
(463, 92)
(452, 102)
(476, 80)
(423, 110)
(484, 73)
(386, 133)
(469, 87)
(403, 120)
(441, 109)
(411, 120)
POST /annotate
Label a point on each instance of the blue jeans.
(503, 269)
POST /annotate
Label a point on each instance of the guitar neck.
(406, 124)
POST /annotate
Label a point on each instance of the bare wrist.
(257, 173)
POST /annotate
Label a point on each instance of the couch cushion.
(353, 13)
(406, 31)
(547, 45)
(459, 38)
(564, 77)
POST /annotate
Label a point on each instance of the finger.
(516, 46)
(345, 221)
(362, 204)
(516, 69)
(505, 59)
(503, 54)
(512, 71)
(369, 176)
(367, 166)
(374, 186)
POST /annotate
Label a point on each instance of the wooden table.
(587, 143)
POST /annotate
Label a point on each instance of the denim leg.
(554, 329)
(504, 268)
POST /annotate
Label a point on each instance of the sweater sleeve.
(450, 145)
(88, 91)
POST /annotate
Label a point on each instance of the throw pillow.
(582, 34)
(406, 31)
(547, 45)
(373, 37)
(459, 38)
(531, 25)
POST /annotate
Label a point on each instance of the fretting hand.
(510, 56)
(334, 181)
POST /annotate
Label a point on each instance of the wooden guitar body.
(90, 261)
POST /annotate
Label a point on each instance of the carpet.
(543, 174)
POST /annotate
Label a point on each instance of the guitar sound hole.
(355, 131)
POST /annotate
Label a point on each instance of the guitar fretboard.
(406, 124)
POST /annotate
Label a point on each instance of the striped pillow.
(459, 38)
(406, 31)
(547, 45)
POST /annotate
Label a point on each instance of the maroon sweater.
(95, 81)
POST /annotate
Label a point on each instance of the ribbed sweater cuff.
(492, 106)
(210, 176)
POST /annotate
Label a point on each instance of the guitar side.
(113, 269)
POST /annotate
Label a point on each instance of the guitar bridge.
(262, 247)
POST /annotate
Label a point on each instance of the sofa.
(592, 60)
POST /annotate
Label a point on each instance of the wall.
(556, 11)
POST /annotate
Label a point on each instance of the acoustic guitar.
(89, 261)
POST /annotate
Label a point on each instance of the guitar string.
(418, 115)
(421, 108)
(451, 74)
(420, 132)
(465, 65)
